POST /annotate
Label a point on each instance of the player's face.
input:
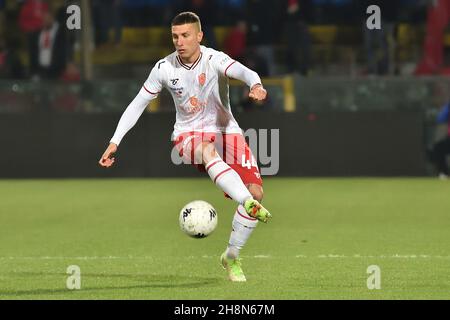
(186, 39)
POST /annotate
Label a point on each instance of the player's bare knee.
(256, 191)
(205, 152)
(198, 154)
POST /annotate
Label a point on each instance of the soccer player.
(197, 78)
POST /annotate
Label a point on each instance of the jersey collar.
(193, 65)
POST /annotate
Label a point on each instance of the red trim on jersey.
(212, 165)
(224, 171)
(246, 217)
(149, 90)
(229, 67)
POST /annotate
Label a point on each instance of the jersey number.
(247, 164)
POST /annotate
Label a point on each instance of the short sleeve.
(154, 83)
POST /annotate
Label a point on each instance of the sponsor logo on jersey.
(225, 60)
(177, 91)
(194, 106)
(174, 81)
(193, 101)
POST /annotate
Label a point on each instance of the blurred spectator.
(236, 42)
(31, 20)
(442, 148)
(298, 53)
(31, 16)
(65, 99)
(71, 73)
(263, 18)
(433, 48)
(48, 59)
(10, 65)
(107, 15)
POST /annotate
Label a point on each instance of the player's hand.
(107, 159)
(257, 92)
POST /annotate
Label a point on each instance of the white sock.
(243, 226)
(228, 180)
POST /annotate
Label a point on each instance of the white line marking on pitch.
(300, 256)
(395, 256)
(74, 258)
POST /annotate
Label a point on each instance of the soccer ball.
(198, 219)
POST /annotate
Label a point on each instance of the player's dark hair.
(185, 18)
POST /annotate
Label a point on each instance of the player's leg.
(256, 190)
(242, 228)
(221, 173)
(243, 225)
(229, 180)
(198, 148)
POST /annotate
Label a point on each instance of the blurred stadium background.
(324, 70)
(348, 102)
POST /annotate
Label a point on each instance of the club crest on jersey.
(202, 79)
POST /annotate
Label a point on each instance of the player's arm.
(236, 70)
(126, 122)
(133, 112)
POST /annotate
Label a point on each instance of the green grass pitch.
(124, 236)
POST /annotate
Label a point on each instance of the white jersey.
(200, 92)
